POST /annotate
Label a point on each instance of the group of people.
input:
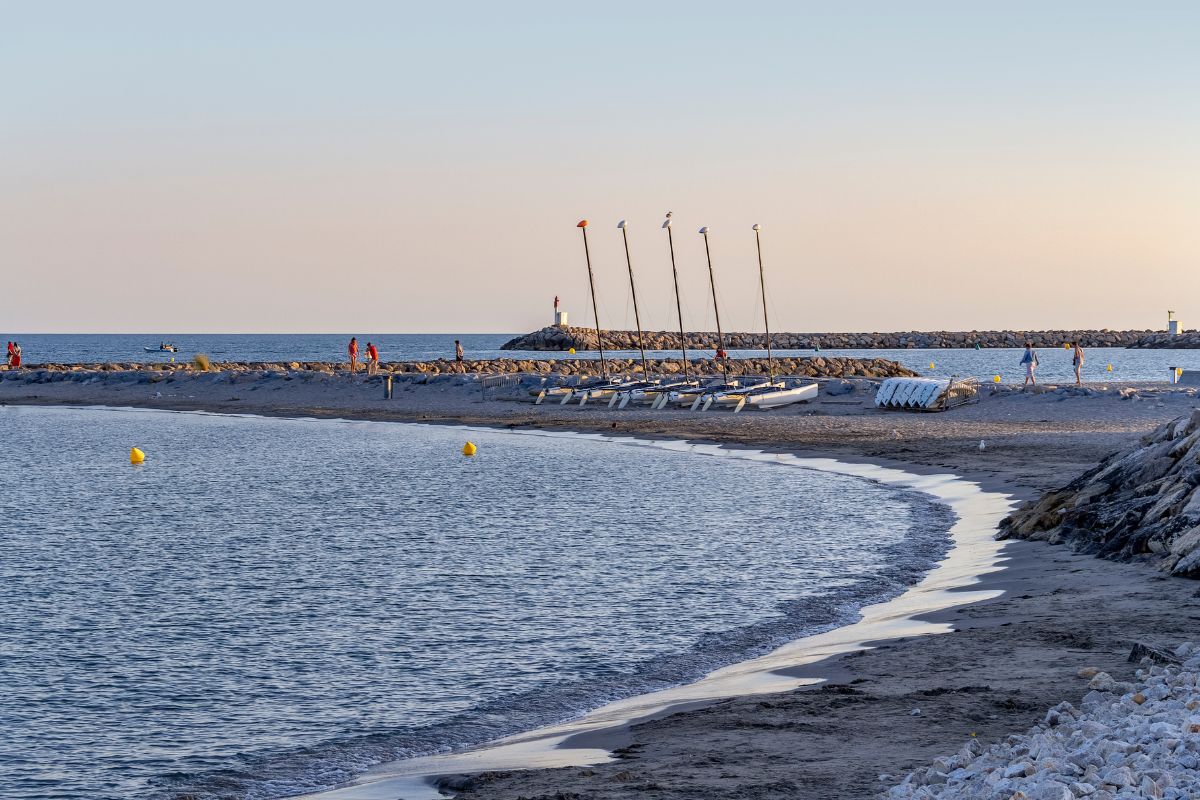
(14, 354)
(1030, 361)
(373, 356)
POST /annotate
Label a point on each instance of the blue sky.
(386, 166)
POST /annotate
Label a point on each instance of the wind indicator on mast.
(633, 290)
(712, 282)
(582, 225)
(762, 283)
(678, 306)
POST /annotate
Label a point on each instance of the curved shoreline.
(585, 740)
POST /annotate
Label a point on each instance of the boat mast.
(762, 283)
(678, 305)
(592, 284)
(712, 282)
(633, 290)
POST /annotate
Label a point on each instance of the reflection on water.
(270, 605)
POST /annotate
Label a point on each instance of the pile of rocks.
(1126, 740)
(1188, 340)
(815, 367)
(1139, 503)
(560, 338)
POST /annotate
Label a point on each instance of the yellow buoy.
(1066, 346)
(995, 379)
(931, 365)
(572, 351)
(136, 456)
(469, 449)
(1110, 367)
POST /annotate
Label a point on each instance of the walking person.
(1030, 360)
(352, 350)
(372, 359)
(1077, 362)
(458, 356)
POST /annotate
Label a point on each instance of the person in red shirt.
(8, 360)
(16, 355)
(353, 351)
(372, 359)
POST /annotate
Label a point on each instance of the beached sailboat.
(659, 394)
(603, 384)
(773, 393)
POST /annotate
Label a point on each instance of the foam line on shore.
(973, 553)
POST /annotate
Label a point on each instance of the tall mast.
(678, 305)
(762, 283)
(712, 282)
(595, 311)
(633, 290)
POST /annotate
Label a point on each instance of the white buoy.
(982, 445)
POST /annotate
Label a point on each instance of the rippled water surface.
(268, 605)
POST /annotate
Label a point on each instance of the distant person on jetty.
(1077, 362)
(372, 359)
(720, 355)
(14, 354)
(1030, 360)
(353, 351)
(458, 355)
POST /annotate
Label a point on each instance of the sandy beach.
(1008, 660)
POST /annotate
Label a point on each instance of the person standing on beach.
(1077, 362)
(458, 356)
(1030, 360)
(353, 351)
(372, 359)
(14, 360)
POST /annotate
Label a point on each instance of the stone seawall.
(556, 338)
(813, 367)
(1143, 503)
(1188, 340)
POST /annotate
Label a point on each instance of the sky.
(398, 167)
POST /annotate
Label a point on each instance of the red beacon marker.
(582, 223)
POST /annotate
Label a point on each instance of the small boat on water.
(163, 347)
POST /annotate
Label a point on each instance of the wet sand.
(1009, 659)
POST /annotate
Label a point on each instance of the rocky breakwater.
(1125, 740)
(1142, 503)
(814, 367)
(1188, 340)
(559, 338)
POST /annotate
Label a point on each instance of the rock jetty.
(1126, 740)
(1141, 503)
(1188, 340)
(810, 367)
(560, 338)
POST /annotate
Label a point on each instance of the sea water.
(269, 606)
(1127, 365)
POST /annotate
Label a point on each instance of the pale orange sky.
(304, 168)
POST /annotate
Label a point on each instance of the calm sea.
(268, 606)
(1127, 365)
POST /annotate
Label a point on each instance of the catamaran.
(763, 396)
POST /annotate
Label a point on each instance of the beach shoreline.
(1060, 611)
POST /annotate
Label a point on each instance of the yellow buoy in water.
(931, 365)
(995, 379)
(469, 449)
(572, 351)
(136, 456)
(1110, 367)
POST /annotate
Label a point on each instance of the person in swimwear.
(458, 356)
(353, 351)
